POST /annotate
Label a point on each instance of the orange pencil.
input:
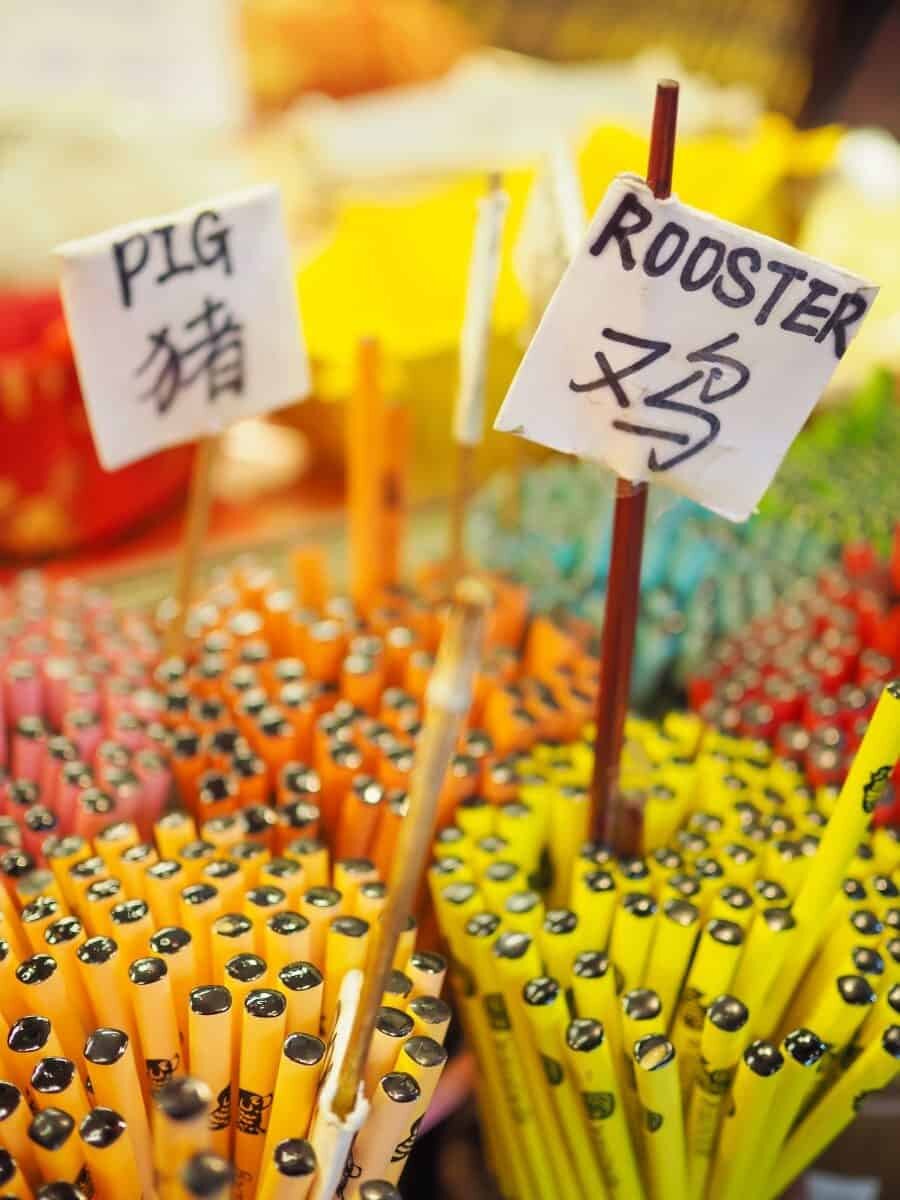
(394, 480)
(391, 813)
(310, 576)
(365, 476)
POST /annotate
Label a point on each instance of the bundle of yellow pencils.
(136, 963)
(699, 1022)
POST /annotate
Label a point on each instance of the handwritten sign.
(484, 271)
(184, 324)
(682, 349)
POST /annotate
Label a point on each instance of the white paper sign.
(484, 270)
(682, 349)
(552, 228)
(184, 324)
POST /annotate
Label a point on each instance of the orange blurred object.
(346, 46)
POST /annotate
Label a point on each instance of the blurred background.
(380, 119)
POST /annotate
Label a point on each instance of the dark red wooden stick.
(619, 829)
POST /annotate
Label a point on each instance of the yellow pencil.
(304, 988)
(206, 1176)
(109, 1155)
(289, 1173)
(803, 1051)
(209, 1030)
(674, 938)
(262, 1037)
(15, 1116)
(711, 973)
(632, 935)
(299, 1072)
(545, 1009)
(181, 1109)
(753, 1096)
(721, 1043)
(115, 1082)
(873, 1070)
(589, 1059)
(663, 1123)
(13, 1183)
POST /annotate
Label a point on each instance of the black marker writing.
(206, 245)
(214, 349)
(726, 376)
(736, 276)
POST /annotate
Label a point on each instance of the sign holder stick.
(611, 823)
(366, 439)
(463, 486)
(449, 699)
(196, 524)
(465, 474)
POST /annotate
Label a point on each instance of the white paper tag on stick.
(552, 228)
(683, 349)
(484, 271)
(184, 324)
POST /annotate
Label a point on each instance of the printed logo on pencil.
(599, 1106)
(692, 1011)
(715, 1083)
(552, 1070)
(161, 1070)
(495, 1007)
(243, 1183)
(402, 1149)
(873, 788)
(253, 1110)
(652, 1120)
(352, 1170)
(220, 1117)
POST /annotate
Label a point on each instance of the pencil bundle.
(208, 1004)
(79, 736)
(127, 964)
(697, 1022)
(704, 578)
(807, 675)
(701, 576)
(289, 708)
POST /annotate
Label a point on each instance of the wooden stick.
(196, 524)
(449, 698)
(624, 584)
(464, 484)
(474, 343)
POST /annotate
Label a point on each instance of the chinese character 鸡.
(661, 400)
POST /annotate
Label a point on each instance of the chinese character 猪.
(216, 351)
